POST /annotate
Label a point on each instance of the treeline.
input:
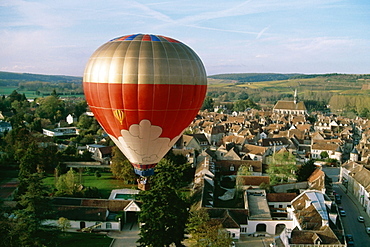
(350, 105)
(46, 88)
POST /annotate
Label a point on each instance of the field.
(106, 183)
(338, 84)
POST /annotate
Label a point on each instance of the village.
(232, 153)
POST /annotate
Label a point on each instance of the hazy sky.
(275, 36)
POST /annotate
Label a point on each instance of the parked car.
(360, 219)
(342, 213)
(349, 239)
(338, 199)
(368, 230)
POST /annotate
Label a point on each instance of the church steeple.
(295, 96)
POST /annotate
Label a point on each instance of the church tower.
(353, 156)
(295, 96)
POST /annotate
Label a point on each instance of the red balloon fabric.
(144, 90)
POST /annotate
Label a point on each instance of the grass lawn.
(85, 239)
(106, 183)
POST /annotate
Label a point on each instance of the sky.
(254, 36)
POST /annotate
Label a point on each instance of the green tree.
(121, 168)
(64, 224)
(51, 108)
(208, 104)
(27, 167)
(282, 167)
(67, 184)
(35, 207)
(242, 105)
(84, 122)
(206, 232)
(324, 155)
(305, 171)
(164, 209)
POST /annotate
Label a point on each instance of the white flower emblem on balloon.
(142, 143)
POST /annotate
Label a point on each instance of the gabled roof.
(363, 178)
(325, 235)
(105, 150)
(87, 209)
(318, 173)
(229, 218)
(324, 146)
(290, 105)
(253, 149)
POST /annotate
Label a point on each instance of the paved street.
(125, 238)
(353, 210)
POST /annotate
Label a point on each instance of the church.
(291, 107)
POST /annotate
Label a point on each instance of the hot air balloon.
(144, 90)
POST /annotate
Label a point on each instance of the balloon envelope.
(144, 90)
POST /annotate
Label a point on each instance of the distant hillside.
(38, 77)
(253, 77)
(286, 83)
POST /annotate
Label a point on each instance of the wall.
(76, 224)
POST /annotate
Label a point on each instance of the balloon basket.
(143, 183)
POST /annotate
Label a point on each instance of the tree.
(208, 104)
(242, 105)
(67, 184)
(121, 168)
(282, 167)
(205, 231)
(164, 209)
(35, 207)
(64, 224)
(27, 167)
(51, 108)
(305, 171)
(36, 200)
(324, 155)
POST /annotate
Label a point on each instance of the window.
(243, 229)
(97, 225)
(108, 225)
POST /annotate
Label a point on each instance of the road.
(353, 210)
(350, 222)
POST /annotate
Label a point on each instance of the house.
(214, 133)
(316, 220)
(319, 147)
(356, 178)
(102, 154)
(60, 132)
(317, 180)
(70, 119)
(93, 147)
(254, 152)
(223, 154)
(280, 200)
(196, 141)
(290, 107)
(5, 126)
